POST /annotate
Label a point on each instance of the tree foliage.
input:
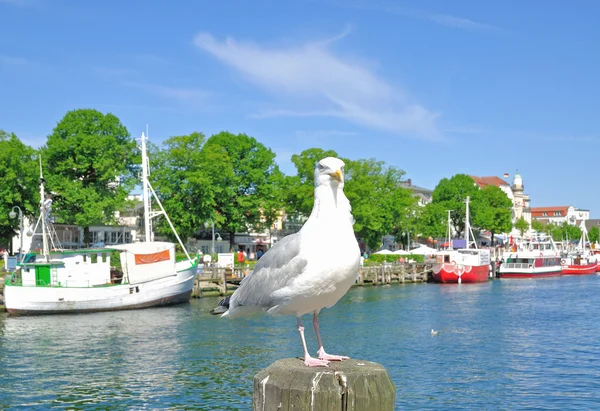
(380, 204)
(246, 182)
(538, 226)
(522, 225)
(594, 234)
(493, 211)
(19, 180)
(90, 163)
(451, 194)
(182, 184)
(432, 221)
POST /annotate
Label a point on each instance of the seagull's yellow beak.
(336, 175)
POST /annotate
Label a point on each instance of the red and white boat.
(578, 265)
(536, 257)
(467, 265)
(580, 261)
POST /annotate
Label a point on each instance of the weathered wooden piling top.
(345, 385)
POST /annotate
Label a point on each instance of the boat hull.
(23, 300)
(583, 269)
(531, 274)
(451, 273)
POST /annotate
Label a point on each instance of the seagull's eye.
(320, 167)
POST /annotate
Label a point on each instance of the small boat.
(467, 265)
(76, 281)
(580, 261)
(536, 257)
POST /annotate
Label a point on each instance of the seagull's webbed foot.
(315, 362)
(330, 357)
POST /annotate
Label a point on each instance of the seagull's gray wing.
(276, 269)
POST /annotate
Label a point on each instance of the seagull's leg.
(322, 354)
(308, 360)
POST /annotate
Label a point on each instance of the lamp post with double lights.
(212, 223)
(13, 214)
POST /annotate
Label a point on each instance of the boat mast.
(449, 245)
(146, 194)
(468, 226)
(45, 248)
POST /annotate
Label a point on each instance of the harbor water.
(502, 345)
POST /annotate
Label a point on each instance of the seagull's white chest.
(332, 270)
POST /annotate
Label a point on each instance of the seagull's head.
(329, 171)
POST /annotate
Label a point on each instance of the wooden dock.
(221, 281)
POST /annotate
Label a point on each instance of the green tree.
(594, 234)
(380, 204)
(570, 232)
(19, 181)
(90, 163)
(301, 187)
(433, 220)
(246, 182)
(538, 226)
(451, 195)
(182, 184)
(522, 225)
(494, 211)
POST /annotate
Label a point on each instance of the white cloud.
(311, 76)
(170, 92)
(13, 61)
(312, 134)
(441, 19)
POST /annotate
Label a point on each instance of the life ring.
(563, 262)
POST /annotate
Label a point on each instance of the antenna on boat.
(449, 231)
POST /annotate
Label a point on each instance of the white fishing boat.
(76, 281)
(533, 257)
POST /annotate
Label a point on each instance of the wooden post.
(223, 281)
(414, 273)
(375, 276)
(355, 385)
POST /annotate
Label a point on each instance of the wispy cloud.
(315, 81)
(312, 134)
(187, 94)
(446, 20)
(34, 140)
(21, 3)
(13, 61)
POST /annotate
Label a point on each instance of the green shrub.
(392, 258)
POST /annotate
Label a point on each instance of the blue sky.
(432, 87)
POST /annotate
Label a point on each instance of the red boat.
(578, 266)
(466, 265)
(453, 272)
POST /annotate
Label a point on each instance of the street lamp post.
(213, 236)
(12, 214)
(407, 234)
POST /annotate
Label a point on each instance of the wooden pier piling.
(355, 385)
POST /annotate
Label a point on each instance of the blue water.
(503, 345)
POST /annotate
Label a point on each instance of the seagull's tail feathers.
(222, 308)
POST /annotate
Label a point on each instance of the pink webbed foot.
(314, 362)
(329, 357)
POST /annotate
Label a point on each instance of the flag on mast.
(505, 175)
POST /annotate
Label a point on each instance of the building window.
(204, 249)
(127, 238)
(113, 238)
(545, 214)
(557, 213)
(94, 237)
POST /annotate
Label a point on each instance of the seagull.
(434, 333)
(307, 271)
